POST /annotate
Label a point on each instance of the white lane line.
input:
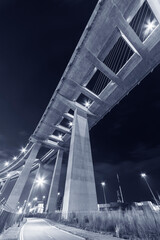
(21, 234)
(64, 231)
(50, 236)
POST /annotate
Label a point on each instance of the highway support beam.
(53, 192)
(31, 192)
(21, 181)
(80, 191)
(11, 203)
(155, 6)
(5, 185)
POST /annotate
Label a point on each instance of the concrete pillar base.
(52, 197)
(80, 192)
(21, 181)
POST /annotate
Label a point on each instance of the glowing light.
(14, 158)
(103, 184)
(6, 164)
(29, 204)
(87, 104)
(8, 175)
(70, 124)
(20, 211)
(58, 193)
(23, 150)
(150, 26)
(95, 69)
(60, 136)
(35, 199)
(44, 197)
(143, 175)
(40, 181)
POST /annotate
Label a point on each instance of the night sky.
(36, 43)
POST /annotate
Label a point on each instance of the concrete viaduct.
(111, 21)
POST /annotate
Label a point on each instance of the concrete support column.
(4, 186)
(34, 183)
(80, 191)
(53, 192)
(21, 181)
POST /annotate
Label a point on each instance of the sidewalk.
(11, 233)
(83, 233)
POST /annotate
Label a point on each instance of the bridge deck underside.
(110, 22)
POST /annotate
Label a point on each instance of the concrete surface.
(39, 229)
(80, 192)
(52, 197)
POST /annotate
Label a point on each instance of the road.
(39, 229)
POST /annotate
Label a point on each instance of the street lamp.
(6, 164)
(40, 181)
(23, 150)
(60, 136)
(14, 158)
(35, 199)
(87, 104)
(70, 124)
(144, 176)
(150, 26)
(104, 194)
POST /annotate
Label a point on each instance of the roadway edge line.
(21, 234)
(82, 238)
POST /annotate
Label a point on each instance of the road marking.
(64, 231)
(21, 234)
(49, 236)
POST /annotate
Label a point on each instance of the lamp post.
(120, 189)
(144, 176)
(104, 194)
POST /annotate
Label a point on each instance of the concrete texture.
(104, 28)
(4, 187)
(39, 229)
(21, 181)
(80, 191)
(11, 234)
(52, 197)
(155, 6)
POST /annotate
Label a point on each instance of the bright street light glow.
(150, 26)
(23, 150)
(14, 158)
(8, 175)
(20, 211)
(58, 193)
(103, 184)
(143, 175)
(87, 104)
(60, 136)
(44, 197)
(70, 124)
(6, 164)
(29, 204)
(40, 181)
(95, 69)
(35, 199)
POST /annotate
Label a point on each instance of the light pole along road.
(39, 229)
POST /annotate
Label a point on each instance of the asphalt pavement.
(39, 229)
